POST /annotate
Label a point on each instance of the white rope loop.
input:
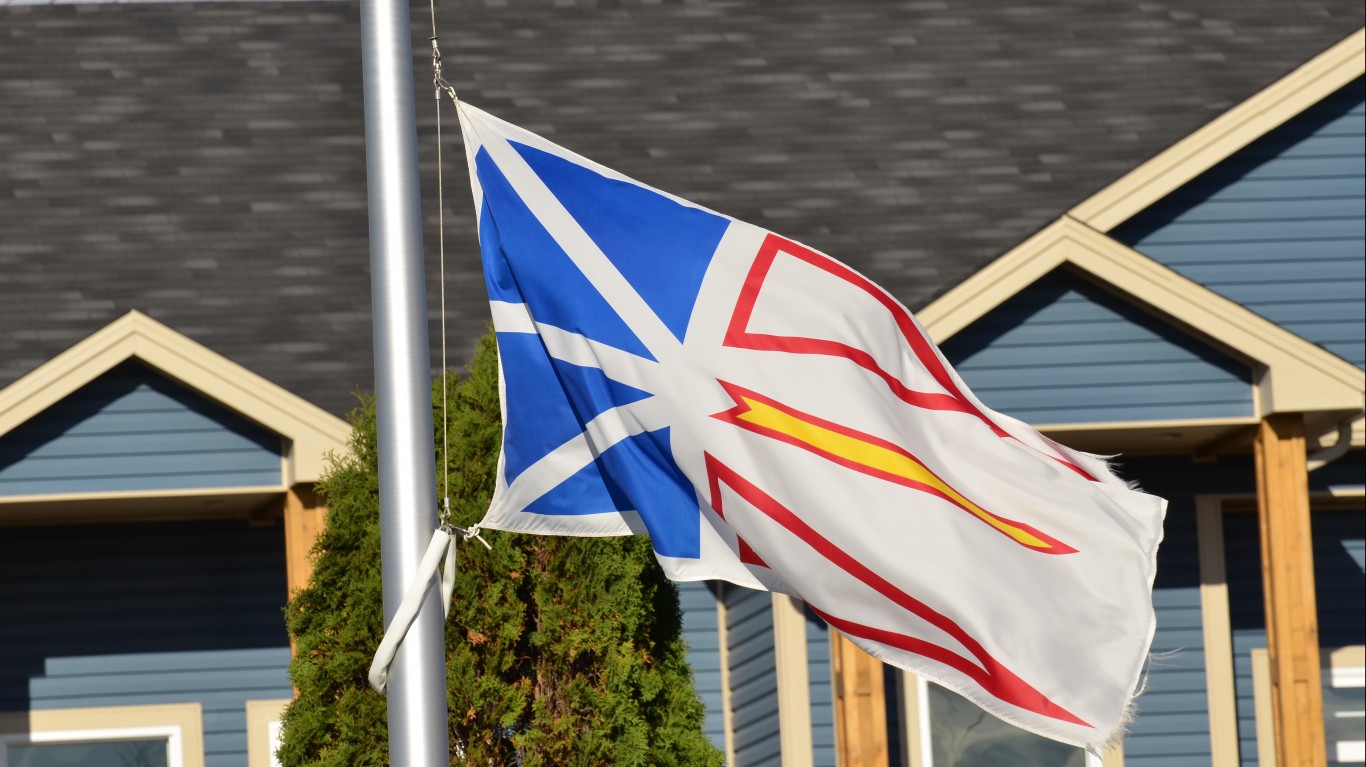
(440, 552)
(441, 547)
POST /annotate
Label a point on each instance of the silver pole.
(407, 471)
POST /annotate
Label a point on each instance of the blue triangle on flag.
(643, 466)
(544, 276)
(660, 246)
(586, 492)
(538, 390)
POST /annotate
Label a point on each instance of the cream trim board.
(310, 432)
(1220, 688)
(181, 723)
(915, 722)
(794, 689)
(263, 723)
(1226, 134)
(722, 635)
(1264, 716)
(1293, 374)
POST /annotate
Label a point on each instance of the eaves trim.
(1230, 132)
(1293, 374)
(310, 431)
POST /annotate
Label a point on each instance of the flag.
(771, 418)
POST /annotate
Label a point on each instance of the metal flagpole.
(407, 472)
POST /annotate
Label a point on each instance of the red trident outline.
(739, 336)
(990, 674)
(870, 455)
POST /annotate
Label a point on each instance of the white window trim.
(263, 731)
(181, 724)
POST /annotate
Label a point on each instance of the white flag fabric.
(773, 419)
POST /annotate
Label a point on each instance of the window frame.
(182, 724)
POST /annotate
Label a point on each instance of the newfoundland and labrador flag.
(773, 419)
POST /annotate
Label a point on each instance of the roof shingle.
(204, 162)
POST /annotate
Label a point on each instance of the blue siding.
(1339, 589)
(822, 690)
(135, 614)
(1066, 351)
(697, 600)
(221, 682)
(1171, 728)
(133, 429)
(1279, 227)
(753, 677)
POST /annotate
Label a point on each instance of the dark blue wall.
(136, 614)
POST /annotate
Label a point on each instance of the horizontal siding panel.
(1281, 222)
(88, 444)
(1179, 675)
(1067, 415)
(1259, 190)
(1195, 233)
(1181, 760)
(1309, 210)
(1252, 253)
(764, 753)
(1290, 270)
(1169, 745)
(753, 677)
(697, 601)
(1065, 351)
(217, 660)
(132, 429)
(86, 623)
(1194, 392)
(1102, 357)
(1327, 313)
(1309, 167)
(1092, 324)
(167, 462)
(1096, 374)
(1340, 140)
(148, 682)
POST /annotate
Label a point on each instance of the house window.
(961, 734)
(944, 729)
(96, 749)
(1344, 705)
(126, 736)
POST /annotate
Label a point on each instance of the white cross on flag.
(773, 419)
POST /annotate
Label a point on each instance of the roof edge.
(1293, 374)
(312, 432)
(1226, 134)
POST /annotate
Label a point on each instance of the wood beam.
(305, 518)
(860, 705)
(1288, 588)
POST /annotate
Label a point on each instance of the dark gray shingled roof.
(204, 162)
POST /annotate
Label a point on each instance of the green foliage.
(560, 652)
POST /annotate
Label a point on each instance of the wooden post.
(860, 705)
(305, 517)
(1288, 585)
